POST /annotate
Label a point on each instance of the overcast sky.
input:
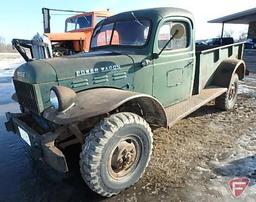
(23, 18)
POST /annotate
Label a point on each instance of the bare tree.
(227, 33)
(4, 47)
(242, 36)
(2, 40)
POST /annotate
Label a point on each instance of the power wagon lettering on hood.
(97, 70)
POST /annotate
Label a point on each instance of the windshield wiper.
(99, 29)
(136, 20)
(87, 20)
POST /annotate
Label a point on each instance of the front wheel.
(228, 100)
(116, 153)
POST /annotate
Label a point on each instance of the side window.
(165, 35)
(84, 22)
(71, 24)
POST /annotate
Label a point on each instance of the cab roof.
(152, 13)
(98, 13)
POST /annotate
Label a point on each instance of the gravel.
(191, 162)
(194, 159)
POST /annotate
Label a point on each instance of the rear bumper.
(42, 145)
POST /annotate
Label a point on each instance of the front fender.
(95, 102)
(225, 71)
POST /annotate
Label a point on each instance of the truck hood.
(66, 36)
(88, 64)
(74, 67)
(37, 71)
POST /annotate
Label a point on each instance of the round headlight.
(62, 98)
(54, 100)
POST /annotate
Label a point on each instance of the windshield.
(78, 23)
(123, 33)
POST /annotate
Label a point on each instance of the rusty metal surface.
(124, 158)
(42, 145)
(65, 96)
(100, 101)
(226, 69)
(77, 132)
(182, 109)
(104, 100)
(52, 155)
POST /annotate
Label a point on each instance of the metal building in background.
(243, 17)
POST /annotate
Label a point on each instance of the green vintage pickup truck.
(143, 71)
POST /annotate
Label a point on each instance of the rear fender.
(95, 102)
(226, 70)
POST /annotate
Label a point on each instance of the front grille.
(26, 95)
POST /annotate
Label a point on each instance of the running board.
(184, 108)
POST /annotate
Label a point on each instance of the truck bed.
(208, 58)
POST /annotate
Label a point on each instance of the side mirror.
(177, 31)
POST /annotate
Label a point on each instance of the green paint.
(170, 78)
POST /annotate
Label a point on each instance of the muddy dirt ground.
(203, 151)
(191, 162)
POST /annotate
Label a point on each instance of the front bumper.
(42, 145)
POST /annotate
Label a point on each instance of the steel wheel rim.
(125, 157)
(232, 92)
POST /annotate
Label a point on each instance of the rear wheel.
(116, 153)
(228, 100)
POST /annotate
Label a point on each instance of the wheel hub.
(123, 158)
(232, 92)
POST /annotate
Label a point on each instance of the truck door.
(174, 68)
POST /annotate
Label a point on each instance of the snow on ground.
(199, 134)
(240, 162)
(8, 63)
(250, 89)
